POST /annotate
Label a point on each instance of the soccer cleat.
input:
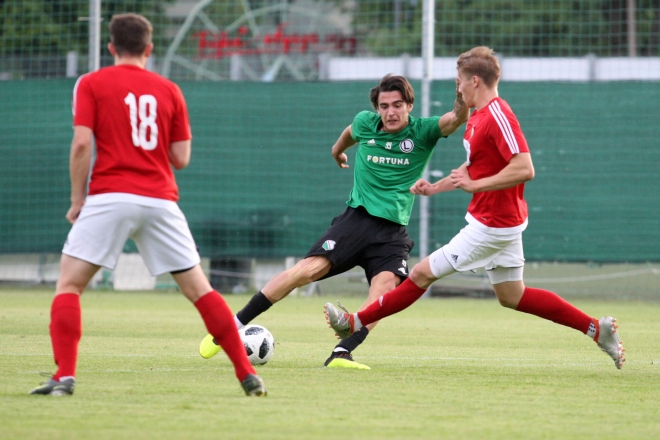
(253, 385)
(343, 359)
(56, 388)
(341, 322)
(608, 340)
(208, 348)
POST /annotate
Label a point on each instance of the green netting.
(271, 84)
(262, 182)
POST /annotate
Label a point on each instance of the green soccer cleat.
(208, 348)
(344, 359)
(53, 387)
(253, 385)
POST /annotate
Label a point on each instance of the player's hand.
(73, 212)
(461, 179)
(422, 188)
(342, 160)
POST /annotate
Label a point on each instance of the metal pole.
(94, 35)
(428, 31)
(428, 52)
(632, 28)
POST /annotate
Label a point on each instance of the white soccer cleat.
(341, 322)
(609, 342)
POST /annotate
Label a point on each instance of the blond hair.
(480, 61)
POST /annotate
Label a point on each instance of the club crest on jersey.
(406, 145)
(329, 245)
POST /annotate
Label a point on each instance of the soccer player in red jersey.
(497, 167)
(140, 123)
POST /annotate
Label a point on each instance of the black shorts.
(357, 238)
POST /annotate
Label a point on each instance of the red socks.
(65, 332)
(220, 323)
(392, 302)
(549, 305)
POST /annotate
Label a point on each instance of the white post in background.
(94, 35)
(632, 28)
(428, 52)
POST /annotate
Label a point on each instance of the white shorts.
(158, 228)
(477, 246)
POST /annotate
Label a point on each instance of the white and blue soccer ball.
(259, 343)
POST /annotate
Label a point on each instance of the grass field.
(445, 368)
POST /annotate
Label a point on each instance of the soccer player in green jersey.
(393, 150)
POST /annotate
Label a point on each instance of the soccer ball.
(259, 343)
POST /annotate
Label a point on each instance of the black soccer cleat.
(253, 385)
(56, 388)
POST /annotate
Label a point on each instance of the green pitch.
(442, 369)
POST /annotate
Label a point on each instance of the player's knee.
(422, 278)
(64, 286)
(507, 302)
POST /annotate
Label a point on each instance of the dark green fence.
(262, 181)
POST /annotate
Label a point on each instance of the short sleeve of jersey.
(361, 124)
(83, 104)
(180, 123)
(431, 130)
(506, 132)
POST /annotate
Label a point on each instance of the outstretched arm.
(424, 188)
(344, 142)
(519, 170)
(449, 122)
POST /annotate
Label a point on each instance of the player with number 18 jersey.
(135, 116)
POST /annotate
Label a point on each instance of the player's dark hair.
(130, 34)
(480, 61)
(392, 83)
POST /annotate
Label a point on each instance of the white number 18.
(143, 109)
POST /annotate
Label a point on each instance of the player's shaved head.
(130, 34)
(480, 61)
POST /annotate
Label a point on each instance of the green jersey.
(388, 164)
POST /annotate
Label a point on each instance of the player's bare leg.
(509, 293)
(75, 275)
(304, 272)
(341, 356)
(66, 324)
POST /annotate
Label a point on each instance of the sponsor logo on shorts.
(454, 257)
(404, 263)
(329, 245)
(406, 145)
(403, 270)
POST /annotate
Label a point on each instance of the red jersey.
(135, 115)
(492, 137)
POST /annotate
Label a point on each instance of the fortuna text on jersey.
(387, 160)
